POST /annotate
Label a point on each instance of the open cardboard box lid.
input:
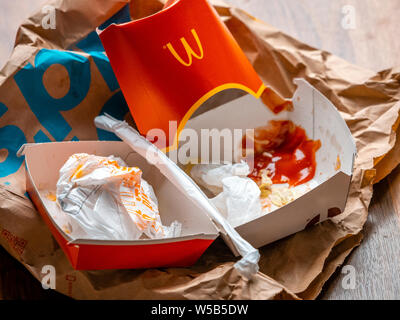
(43, 162)
(171, 63)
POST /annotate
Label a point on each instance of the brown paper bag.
(295, 267)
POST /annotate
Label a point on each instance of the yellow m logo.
(189, 51)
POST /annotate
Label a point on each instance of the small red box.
(43, 162)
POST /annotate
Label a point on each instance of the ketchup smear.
(284, 150)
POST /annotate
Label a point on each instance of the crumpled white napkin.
(239, 200)
(210, 176)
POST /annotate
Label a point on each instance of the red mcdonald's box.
(170, 63)
(198, 231)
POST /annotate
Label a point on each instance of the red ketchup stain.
(285, 151)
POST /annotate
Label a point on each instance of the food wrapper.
(69, 62)
(106, 200)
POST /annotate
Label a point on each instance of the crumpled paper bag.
(292, 268)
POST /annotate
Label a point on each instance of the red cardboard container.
(43, 162)
(170, 63)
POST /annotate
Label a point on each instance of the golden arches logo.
(189, 51)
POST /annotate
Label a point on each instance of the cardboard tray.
(327, 191)
(43, 162)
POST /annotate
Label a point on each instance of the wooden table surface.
(374, 44)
